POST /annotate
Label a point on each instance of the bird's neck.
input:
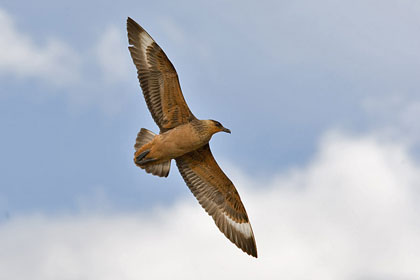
(204, 128)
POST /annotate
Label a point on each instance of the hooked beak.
(226, 130)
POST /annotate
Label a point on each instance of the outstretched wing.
(218, 196)
(158, 79)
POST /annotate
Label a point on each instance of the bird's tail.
(160, 169)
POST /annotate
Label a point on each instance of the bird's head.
(217, 127)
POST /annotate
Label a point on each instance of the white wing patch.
(244, 228)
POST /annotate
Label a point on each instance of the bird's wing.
(158, 79)
(218, 196)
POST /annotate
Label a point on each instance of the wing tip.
(133, 30)
(240, 234)
(131, 22)
(137, 36)
(247, 245)
(252, 250)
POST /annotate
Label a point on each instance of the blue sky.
(286, 77)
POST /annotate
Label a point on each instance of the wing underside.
(218, 196)
(158, 79)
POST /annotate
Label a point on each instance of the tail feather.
(160, 169)
(143, 137)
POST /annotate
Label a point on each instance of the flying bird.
(185, 139)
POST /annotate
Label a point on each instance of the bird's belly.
(178, 142)
(179, 147)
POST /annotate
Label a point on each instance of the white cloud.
(54, 62)
(395, 116)
(110, 80)
(91, 77)
(349, 214)
(185, 44)
(112, 55)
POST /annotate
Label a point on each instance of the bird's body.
(178, 141)
(185, 139)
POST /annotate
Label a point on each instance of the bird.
(185, 139)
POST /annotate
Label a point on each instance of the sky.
(323, 102)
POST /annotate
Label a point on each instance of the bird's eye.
(216, 123)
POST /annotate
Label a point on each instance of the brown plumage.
(184, 138)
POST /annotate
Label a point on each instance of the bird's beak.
(226, 130)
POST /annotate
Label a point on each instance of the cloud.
(112, 55)
(53, 62)
(395, 116)
(340, 53)
(109, 77)
(101, 74)
(348, 214)
(92, 76)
